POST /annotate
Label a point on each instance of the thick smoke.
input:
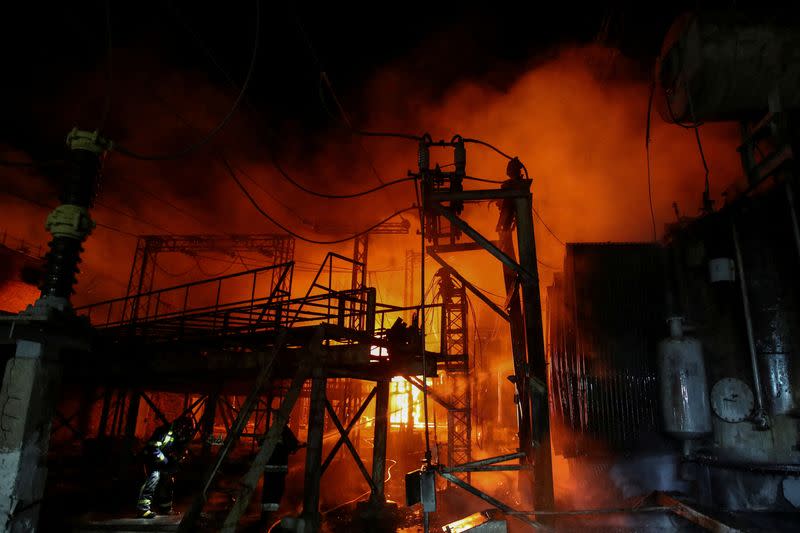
(576, 119)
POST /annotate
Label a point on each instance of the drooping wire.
(647, 153)
(695, 125)
(221, 272)
(274, 159)
(214, 131)
(487, 145)
(502, 153)
(50, 207)
(167, 272)
(266, 215)
(549, 230)
(303, 188)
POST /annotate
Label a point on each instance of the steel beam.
(458, 247)
(475, 195)
(483, 241)
(519, 354)
(436, 397)
(190, 518)
(353, 451)
(349, 427)
(493, 501)
(477, 292)
(693, 515)
(247, 484)
(537, 358)
(155, 408)
(316, 430)
(378, 496)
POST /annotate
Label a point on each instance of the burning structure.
(646, 384)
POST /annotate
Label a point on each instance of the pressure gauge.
(732, 400)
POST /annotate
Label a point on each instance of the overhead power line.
(214, 131)
(266, 215)
(303, 188)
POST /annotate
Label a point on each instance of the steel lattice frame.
(455, 359)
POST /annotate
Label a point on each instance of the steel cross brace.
(353, 451)
(350, 426)
(248, 482)
(476, 236)
(489, 464)
(155, 409)
(477, 292)
(441, 401)
(492, 501)
(191, 516)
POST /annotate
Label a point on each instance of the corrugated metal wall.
(606, 315)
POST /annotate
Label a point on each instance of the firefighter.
(275, 473)
(162, 453)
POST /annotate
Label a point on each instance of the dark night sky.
(56, 76)
(48, 47)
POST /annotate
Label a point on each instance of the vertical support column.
(316, 428)
(131, 419)
(517, 326)
(378, 497)
(207, 423)
(537, 363)
(28, 399)
(108, 395)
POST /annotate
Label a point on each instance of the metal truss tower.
(277, 249)
(455, 363)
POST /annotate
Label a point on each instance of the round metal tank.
(720, 66)
(683, 388)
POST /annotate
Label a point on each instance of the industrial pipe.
(777, 469)
(759, 416)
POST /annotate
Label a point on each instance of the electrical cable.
(647, 153)
(132, 217)
(268, 193)
(186, 122)
(303, 188)
(694, 126)
(214, 131)
(266, 215)
(487, 145)
(50, 208)
(502, 153)
(168, 273)
(484, 180)
(214, 275)
(549, 230)
(211, 56)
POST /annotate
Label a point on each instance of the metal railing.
(22, 246)
(249, 298)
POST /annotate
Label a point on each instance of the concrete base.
(27, 401)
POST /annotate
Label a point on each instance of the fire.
(405, 406)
